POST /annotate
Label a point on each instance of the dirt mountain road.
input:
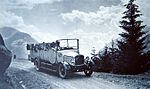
(24, 76)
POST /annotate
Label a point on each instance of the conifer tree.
(132, 43)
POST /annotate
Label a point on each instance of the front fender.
(89, 61)
(66, 65)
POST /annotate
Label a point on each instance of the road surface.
(24, 76)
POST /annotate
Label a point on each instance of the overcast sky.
(94, 22)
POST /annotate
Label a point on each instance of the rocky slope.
(5, 56)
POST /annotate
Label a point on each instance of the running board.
(48, 69)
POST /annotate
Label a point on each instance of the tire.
(88, 72)
(62, 71)
(37, 65)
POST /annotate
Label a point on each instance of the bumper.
(78, 68)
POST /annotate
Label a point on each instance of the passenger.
(53, 44)
(57, 45)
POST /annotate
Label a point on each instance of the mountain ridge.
(16, 41)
